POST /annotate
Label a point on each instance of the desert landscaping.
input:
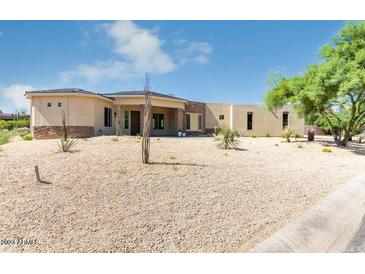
(193, 197)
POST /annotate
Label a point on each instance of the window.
(107, 117)
(200, 122)
(158, 121)
(249, 120)
(59, 104)
(221, 117)
(285, 119)
(126, 119)
(187, 121)
(49, 105)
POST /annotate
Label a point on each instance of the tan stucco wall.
(212, 114)
(79, 111)
(263, 120)
(139, 100)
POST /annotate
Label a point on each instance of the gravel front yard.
(192, 198)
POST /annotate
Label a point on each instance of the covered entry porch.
(167, 114)
(165, 121)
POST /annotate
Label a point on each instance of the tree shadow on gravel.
(175, 164)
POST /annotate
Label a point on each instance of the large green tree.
(332, 92)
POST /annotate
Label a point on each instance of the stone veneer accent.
(179, 119)
(50, 132)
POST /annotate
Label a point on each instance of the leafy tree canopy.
(331, 93)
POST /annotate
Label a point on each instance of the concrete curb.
(330, 226)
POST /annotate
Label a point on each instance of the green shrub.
(326, 149)
(9, 125)
(267, 134)
(66, 145)
(5, 136)
(299, 145)
(287, 133)
(115, 139)
(27, 137)
(253, 135)
(226, 137)
(297, 135)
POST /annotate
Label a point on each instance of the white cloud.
(14, 96)
(139, 50)
(140, 47)
(198, 52)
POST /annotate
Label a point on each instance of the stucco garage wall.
(42, 115)
(264, 121)
(212, 115)
(82, 113)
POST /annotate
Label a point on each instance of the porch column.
(118, 120)
(141, 115)
(179, 119)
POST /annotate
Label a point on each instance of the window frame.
(59, 104)
(49, 104)
(158, 121)
(200, 122)
(107, 117)
(188, 121)
(221, 117)
(249, 120)
(126, 119)
(285, 113)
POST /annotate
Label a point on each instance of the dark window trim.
(107, 117)
(285, 123)
(126, 119)
(188, 121)
(221, 116)
(249, 120)
(200, 122)
(158, 120)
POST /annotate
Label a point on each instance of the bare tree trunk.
(146, 122)
(118, 122)
(65, 135)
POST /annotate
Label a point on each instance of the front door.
(135, 123)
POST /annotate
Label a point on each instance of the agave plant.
(287, 133)
(66, 145)
(226, 137)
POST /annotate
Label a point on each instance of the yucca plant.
(226, 137)
(66, 145)
(287, 133)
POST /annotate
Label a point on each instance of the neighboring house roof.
(67, 91)
(141, 93)
(8, 116)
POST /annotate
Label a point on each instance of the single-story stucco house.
(88, 114)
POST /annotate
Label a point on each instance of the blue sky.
(210, 61)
